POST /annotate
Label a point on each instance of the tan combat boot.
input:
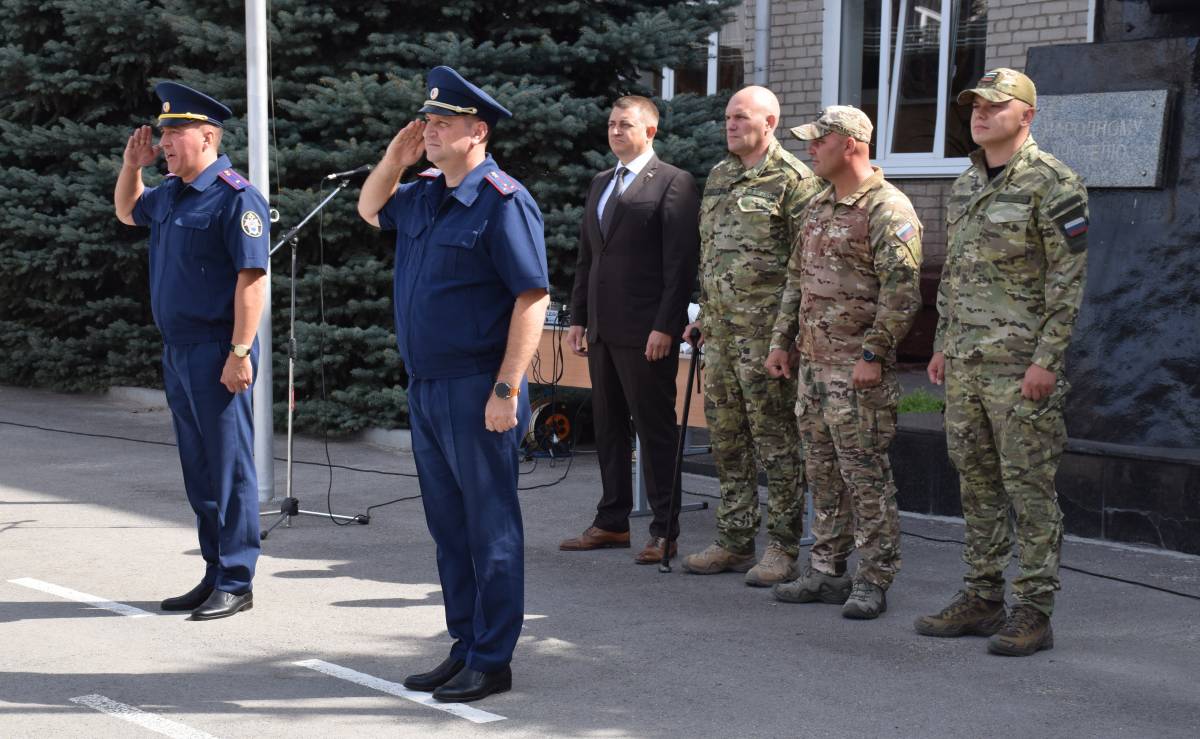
(1026, 631)
(967, 614)
(717, 558)
(775, 567)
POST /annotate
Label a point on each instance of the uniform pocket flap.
(757, 204)
(1006, 212)
(463, 239)
(193, 220)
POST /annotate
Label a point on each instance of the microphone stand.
(290, 506)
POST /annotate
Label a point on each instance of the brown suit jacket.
(639, 277)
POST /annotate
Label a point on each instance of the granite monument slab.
(1112, 139)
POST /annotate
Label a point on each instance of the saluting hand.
(140, 150)
(408, 146)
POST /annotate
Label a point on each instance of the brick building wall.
(1016, 25)
(795, 72)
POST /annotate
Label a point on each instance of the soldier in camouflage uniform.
(747, 224)
(1009, 295)
(852, 293)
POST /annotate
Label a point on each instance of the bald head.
(759, 99)
(750, 121)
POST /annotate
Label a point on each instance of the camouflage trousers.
(1006, 449)
(846, 434)
(751, 424)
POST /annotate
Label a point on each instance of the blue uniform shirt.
(461, 260)
(201, 235)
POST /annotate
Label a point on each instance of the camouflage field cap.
(844, 119)
(1000, 85)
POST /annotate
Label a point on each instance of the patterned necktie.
(611, 204)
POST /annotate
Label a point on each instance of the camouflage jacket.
(853, 278)
(1015, 261)
(748, 221)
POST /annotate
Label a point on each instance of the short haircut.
(649, 110)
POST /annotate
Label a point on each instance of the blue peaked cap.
(450, 94)
(181, 105)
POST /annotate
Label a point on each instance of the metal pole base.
(290, 507)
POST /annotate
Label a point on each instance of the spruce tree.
(77, 77)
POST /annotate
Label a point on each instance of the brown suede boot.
(717, 558)
(775, 567)
(967, 615)
(1026, 632)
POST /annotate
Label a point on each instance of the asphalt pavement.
(95, 530)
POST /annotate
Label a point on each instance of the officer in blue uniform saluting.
(470, 299)
(209, 247)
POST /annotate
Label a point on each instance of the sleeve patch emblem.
(1076, 227)
(252, 225)
(906, 233)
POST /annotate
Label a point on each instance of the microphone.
(349, 173)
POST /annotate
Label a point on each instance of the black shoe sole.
(227, 614)
(503, 688)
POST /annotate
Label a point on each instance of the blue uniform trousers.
(215, 432)
(468, 478)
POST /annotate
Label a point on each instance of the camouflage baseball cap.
(844, 119)
(1001, 85)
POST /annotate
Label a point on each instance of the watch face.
(503, 390)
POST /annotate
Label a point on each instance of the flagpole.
(256, 123)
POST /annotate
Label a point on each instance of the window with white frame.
(722, 68)
(903, 62)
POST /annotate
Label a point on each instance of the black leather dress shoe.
(435, 678)
(221, 604)
(471, 685)
(189, 601)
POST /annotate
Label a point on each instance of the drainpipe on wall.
(762, 40)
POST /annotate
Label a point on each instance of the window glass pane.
(731, 68)
(859, 58)
(968, 41)
(915, 88)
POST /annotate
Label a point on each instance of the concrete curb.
(399, 439)
(139, 396)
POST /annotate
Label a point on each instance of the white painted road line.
(75, 595)
(150, 721)
(461, 710)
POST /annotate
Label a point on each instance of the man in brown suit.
(638, 249)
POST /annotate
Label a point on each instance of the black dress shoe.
(189, 601)
(221, 604)
(435, 678)
(471, 685)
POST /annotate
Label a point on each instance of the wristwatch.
(870, 356)
(241, 351)
(504, 391)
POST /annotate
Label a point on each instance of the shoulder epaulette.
(233, 179)
(502, 182)
(795, 164)
(1062, 171)
(431, 173)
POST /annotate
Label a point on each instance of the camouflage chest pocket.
(709, 212)
(757, 212)
(1006, 226)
